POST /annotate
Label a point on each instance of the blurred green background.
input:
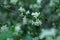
(29, 19)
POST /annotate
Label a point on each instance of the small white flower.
(13, 1)
(28, 12)
(9, 38)
(21, 9)
(39, 1)
(17, 27)
(4, 28)
(36, 38)
(24, 20)
(36, 14)
(37, 22)
(47, 33)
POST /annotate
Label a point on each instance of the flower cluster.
(29, 20)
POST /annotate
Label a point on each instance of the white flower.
(36, 14)
(17, 27)
(34, 6)
(47, 33)
(36, 38)
(28, 12)
(13, 1)
(21, 9)
(39, 1)
(4, 28)
(24, 20)
(9, 38)
(37, 22)
(52, 2)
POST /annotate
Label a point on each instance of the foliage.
(29, 19)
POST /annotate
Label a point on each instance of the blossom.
(21, 9)
(13, 1)
(39, 1)
(47, 33)
(37, 22)
(28, 12)
(4, 28)
(24, 20)
(36, 14)
(17, 27)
